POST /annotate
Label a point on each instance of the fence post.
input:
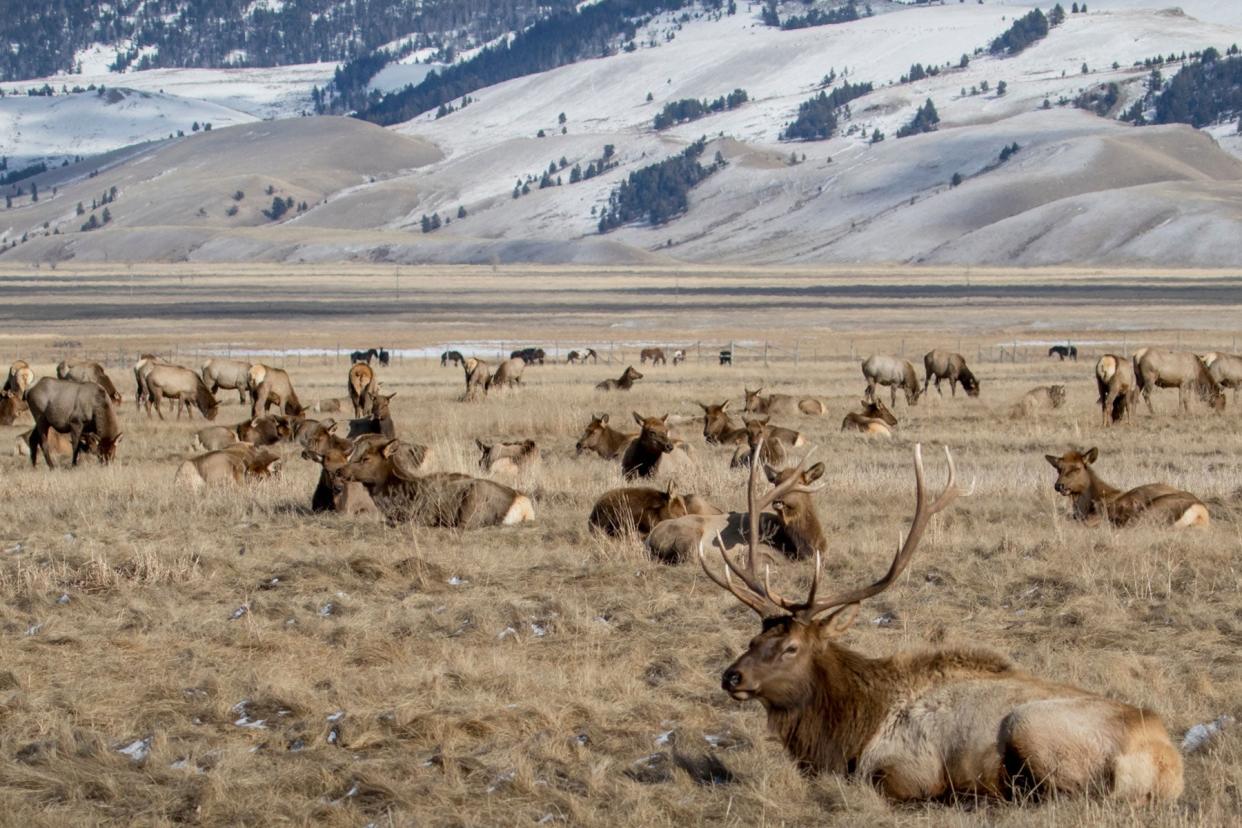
(903, 347)
(765, 353)
(797, 347)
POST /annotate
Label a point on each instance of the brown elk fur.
(232, 465)
(89, 372)
(783, 404)
(380, 421)
(60, 445)
(623, 383)
(642, 457)
(1095, 500)
(82, 410)
(362, 387)
(264, 431)
(896, 373)
(655, 355)
(603, 439)
(478, 377)
(1158, 368)
(1040, 398)
(773, 453)
(214, 438)
(508, 373)
(720, 429)
(942, 365)
(231, 374)
(19, 380)
(635, 509)
(10, 406)
(874, 419)
(272, 386)
(508, 458)
(1226, 369)
(176, 383)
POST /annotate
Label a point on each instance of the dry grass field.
(230, 658)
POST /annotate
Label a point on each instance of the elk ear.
(771, 473)
(671, 490)
(1092, 455)
(664, 419)
(815, 472)
(839, 620)
(117, 440)
(314, 457)
(864, 402)
(483, 447)
(703, 406)
(724, 406)
(389, 449)
(1053, 461)
(603, 419)
(638, 418)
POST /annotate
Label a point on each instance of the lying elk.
(603, 439)
(89, 372)
(58, 444)
(332, 492)
(893, 372)
(229, 466)
(380, 421)
(20, 379)
(508, 458)
(623, 383)
(949, 724)
(574, 357)
(231, 374)
(653, 449)
(272, 386)
(508, 373)
(1095, 500)
(1226, 369)
(1157, 368)
(362, 387)
(640, 509)
(757, 432)
(655, 355)
(81, 410)
(793, 530)
(945, 365)
(10, 406)
(720, 429)
(176, 383)
(1117, 387)
(782, 404)
(478, 377)
(874, 419)
(1039, 398)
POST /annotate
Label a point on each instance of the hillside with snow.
(1082, 187)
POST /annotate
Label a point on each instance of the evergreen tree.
(461, 212)
(925, 119)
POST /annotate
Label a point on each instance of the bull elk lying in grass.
(1157, 368)
(783, 404)
(946, 365)
(509, 459)
(947, 724)
(623, 383)
(792, 528)
(1042, 398)
(896, 373)
(640, 509)
(720, 429)
(1095, 500)
(229, 466)
(875, 419)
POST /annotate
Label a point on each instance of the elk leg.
(37, 441)
(893, 391)
(75, 434)
(156, 397)
(952, 386)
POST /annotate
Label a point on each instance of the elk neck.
(1097, 494)
(801, 525)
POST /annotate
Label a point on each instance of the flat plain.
(228, 657)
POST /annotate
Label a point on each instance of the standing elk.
(945, 365)
(603, 439)
(649, 452)
(874, 419)
(575, 357)
(176, 383)
(89, 372)
(454, 357)
(508, 373)
(623, 383)
(142, 367)
(1064, 352)
(656, 355)
(896, 373)
(783, 404)
(508, 458)
(1095, 500)
(944, 725)
(1158, 368)
(793, 528)
(1118, 388)
(20, 379)
(232, 374)
(362, 387)
(1039, 398)
(272, 386)
(478, 377)
(81, 410)
(1226, 369)
(720, 429)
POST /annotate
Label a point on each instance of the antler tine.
(923, 513)
(791, 485)
(753, 599)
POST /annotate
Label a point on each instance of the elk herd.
(928, 726)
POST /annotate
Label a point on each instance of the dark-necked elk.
(896, 373)
(362, 387)
(229, 466)
(944, 725)
(508, 373)
(603, 439)
(1041, 398)
(1118, 388)
(1158, 368)
(441, 499)
(453, 357)
(946, 365)
(231, 374)
(1064, 352)
(782, 404)
(574, 357)
(272, 386)
(89, 372)
(81, 410)
(1095, 500)
(655, 355)
(510, 458)
(478, 377)
(623, 383)
(335, 494)
(173, 382)
(758, 433)
(792, 528)
(20, 378)
(720, 429)
(380, 420)
(875, 419)
(1226, 369)
(644, 455)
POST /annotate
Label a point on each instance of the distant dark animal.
(603, 439)
(1064, 352)
(656, 355)
(227, 373)
(531, 356)
(945, 365)
(679, 356)
(454, 357)
(726, 356)
(380, 421)
(177, 383)
(624, 383)
(384, 358)
(81, 410)
(574, 357)
(89, 372)
(1158, 368)
(874, 419)
(781, 404)
(508, 458)
(364, 356)
(508, 373)
(896, 373)
(362, 387)
(1095, 500)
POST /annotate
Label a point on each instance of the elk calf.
(875, 419)
(623, 383)
(720, 429)
(1095, 500)
(784, 404)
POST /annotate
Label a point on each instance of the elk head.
(102, 447)
(1073, 471)
(1056, 395)
(715, 421)
(780, 666)
(655, 432)
(756, 430)
(877, 410)
(631, 375)
(590, 439)
(753, 401)
(380, 405)
(970, 384)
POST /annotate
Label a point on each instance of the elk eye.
(790, 649)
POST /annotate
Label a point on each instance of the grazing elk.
(794, 530)
(1158, 368)
(508, 373)
(232, 374)
(531, 356)
(1064, 352)
(142, 367)
(454, 357)
(945, 725)
(364, 357)
(656, 355)
(508, 458)
(644, 456)
(362, 387)
(603, 439)
(81, 410)
(720, 429)
(1041, 398)
(782, 404)
(896, 373)
(757, 432)
(89, 372)
(229, 466)
(478, 377)
(875, 419)
(945, 365)
(1118, 388)
(20, 378)
(1226, 369)
(575, 357)
(380, 421)
(623, 383)
(272, 386)
(1095, 500)
(176, 383)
